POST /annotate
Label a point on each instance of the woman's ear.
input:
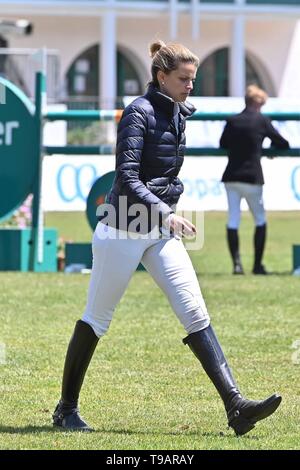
(160, 77)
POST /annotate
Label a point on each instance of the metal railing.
(20, 66)
(115, 115)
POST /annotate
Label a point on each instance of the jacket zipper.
(177, 146)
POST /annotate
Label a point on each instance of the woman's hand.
(180, 226)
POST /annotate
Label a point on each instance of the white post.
(195, 19)
(108, 61)
(237, 58)
(173, 19)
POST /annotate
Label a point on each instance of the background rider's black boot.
(80, 351)
(259, 246)
(233, 244)
(242, 414)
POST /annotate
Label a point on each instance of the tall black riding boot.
(233, 244)
(80, 351)
(242, 414)
(260, 235)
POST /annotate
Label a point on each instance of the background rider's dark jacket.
(149, 155)
(243, 136)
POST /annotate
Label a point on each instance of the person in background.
(243, 137)
(149, 154)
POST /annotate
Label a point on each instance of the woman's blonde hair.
(255, 95)
(168, 57)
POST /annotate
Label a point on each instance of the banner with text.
(67, 181)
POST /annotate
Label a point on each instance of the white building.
(101, 47)
(237, 41)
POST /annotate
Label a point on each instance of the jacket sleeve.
(224, 140)
(132, 130)
(276, 139)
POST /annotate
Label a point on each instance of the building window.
(83, 76)
(213, 75)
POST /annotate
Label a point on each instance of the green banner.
(18, 165)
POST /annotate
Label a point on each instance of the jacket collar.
(166, 103)
(251, 110)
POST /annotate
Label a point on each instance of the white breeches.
(115, 261)
(253, 193)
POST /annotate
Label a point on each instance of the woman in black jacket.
(243, 136)
(138, 224)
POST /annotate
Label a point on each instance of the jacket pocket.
(166, 188)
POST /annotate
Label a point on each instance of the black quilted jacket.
(149, 155)
(243, 136)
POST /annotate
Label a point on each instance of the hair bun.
(155, 47)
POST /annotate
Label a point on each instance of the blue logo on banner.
(75, 182)
(201, 188)
(295, 182)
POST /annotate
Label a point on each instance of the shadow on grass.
(280, 273)
(52, 429)
(247, 274)
(194, 433)
(26, 429)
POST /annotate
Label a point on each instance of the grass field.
(144, 389)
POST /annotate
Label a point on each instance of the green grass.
(144, 389)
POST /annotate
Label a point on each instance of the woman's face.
(179, 83)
